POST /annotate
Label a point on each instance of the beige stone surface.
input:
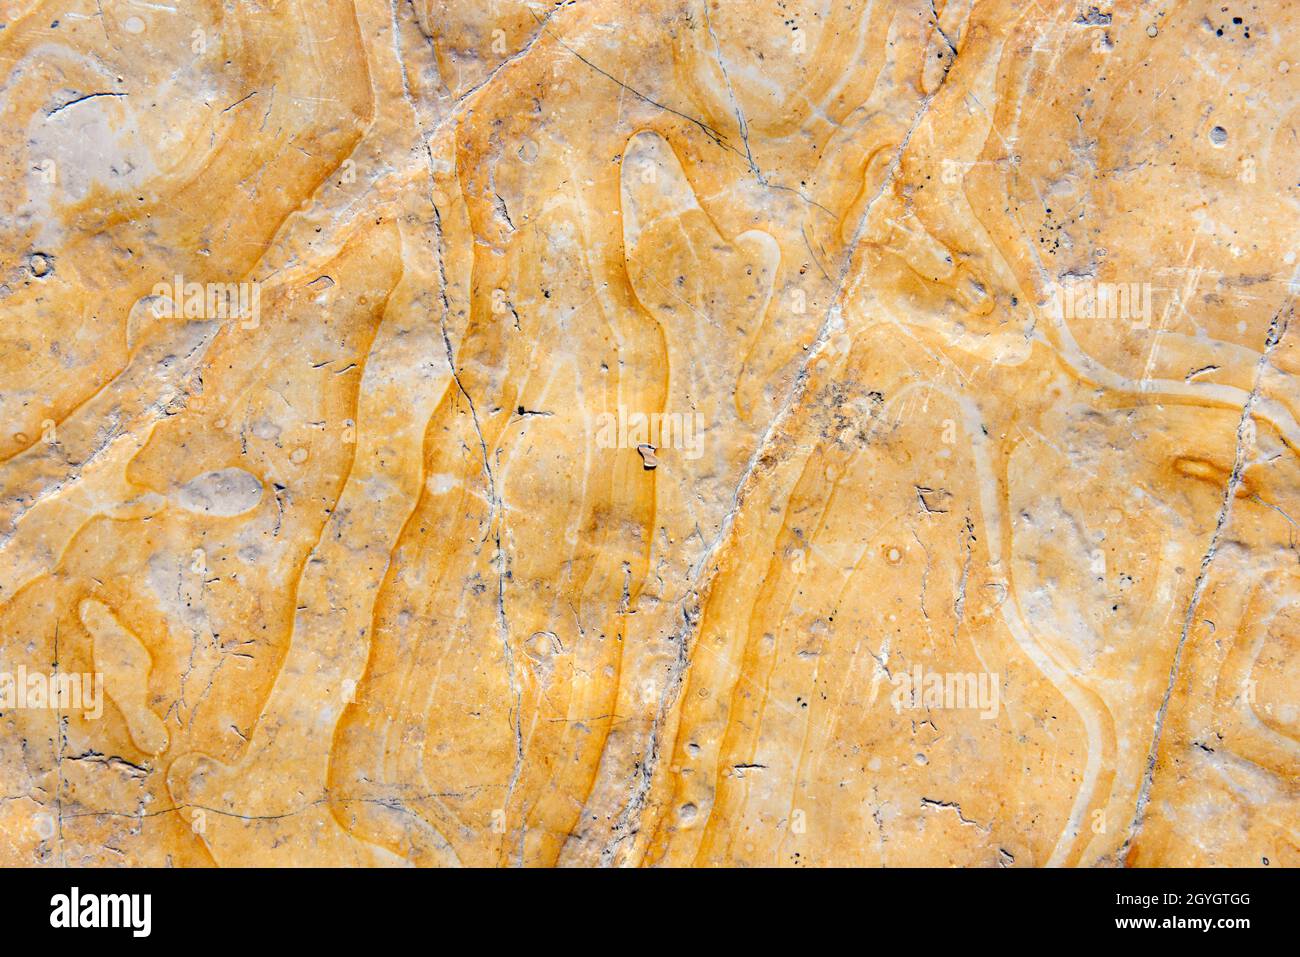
(631, 403)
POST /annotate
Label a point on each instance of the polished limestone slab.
(649, 432)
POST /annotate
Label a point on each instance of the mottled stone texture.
(649, 432)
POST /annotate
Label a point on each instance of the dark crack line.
(938, 26)
(709, 131)
(495, 512)
(80, 99)
(741, 124)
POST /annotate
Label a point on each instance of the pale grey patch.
(224, 493)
